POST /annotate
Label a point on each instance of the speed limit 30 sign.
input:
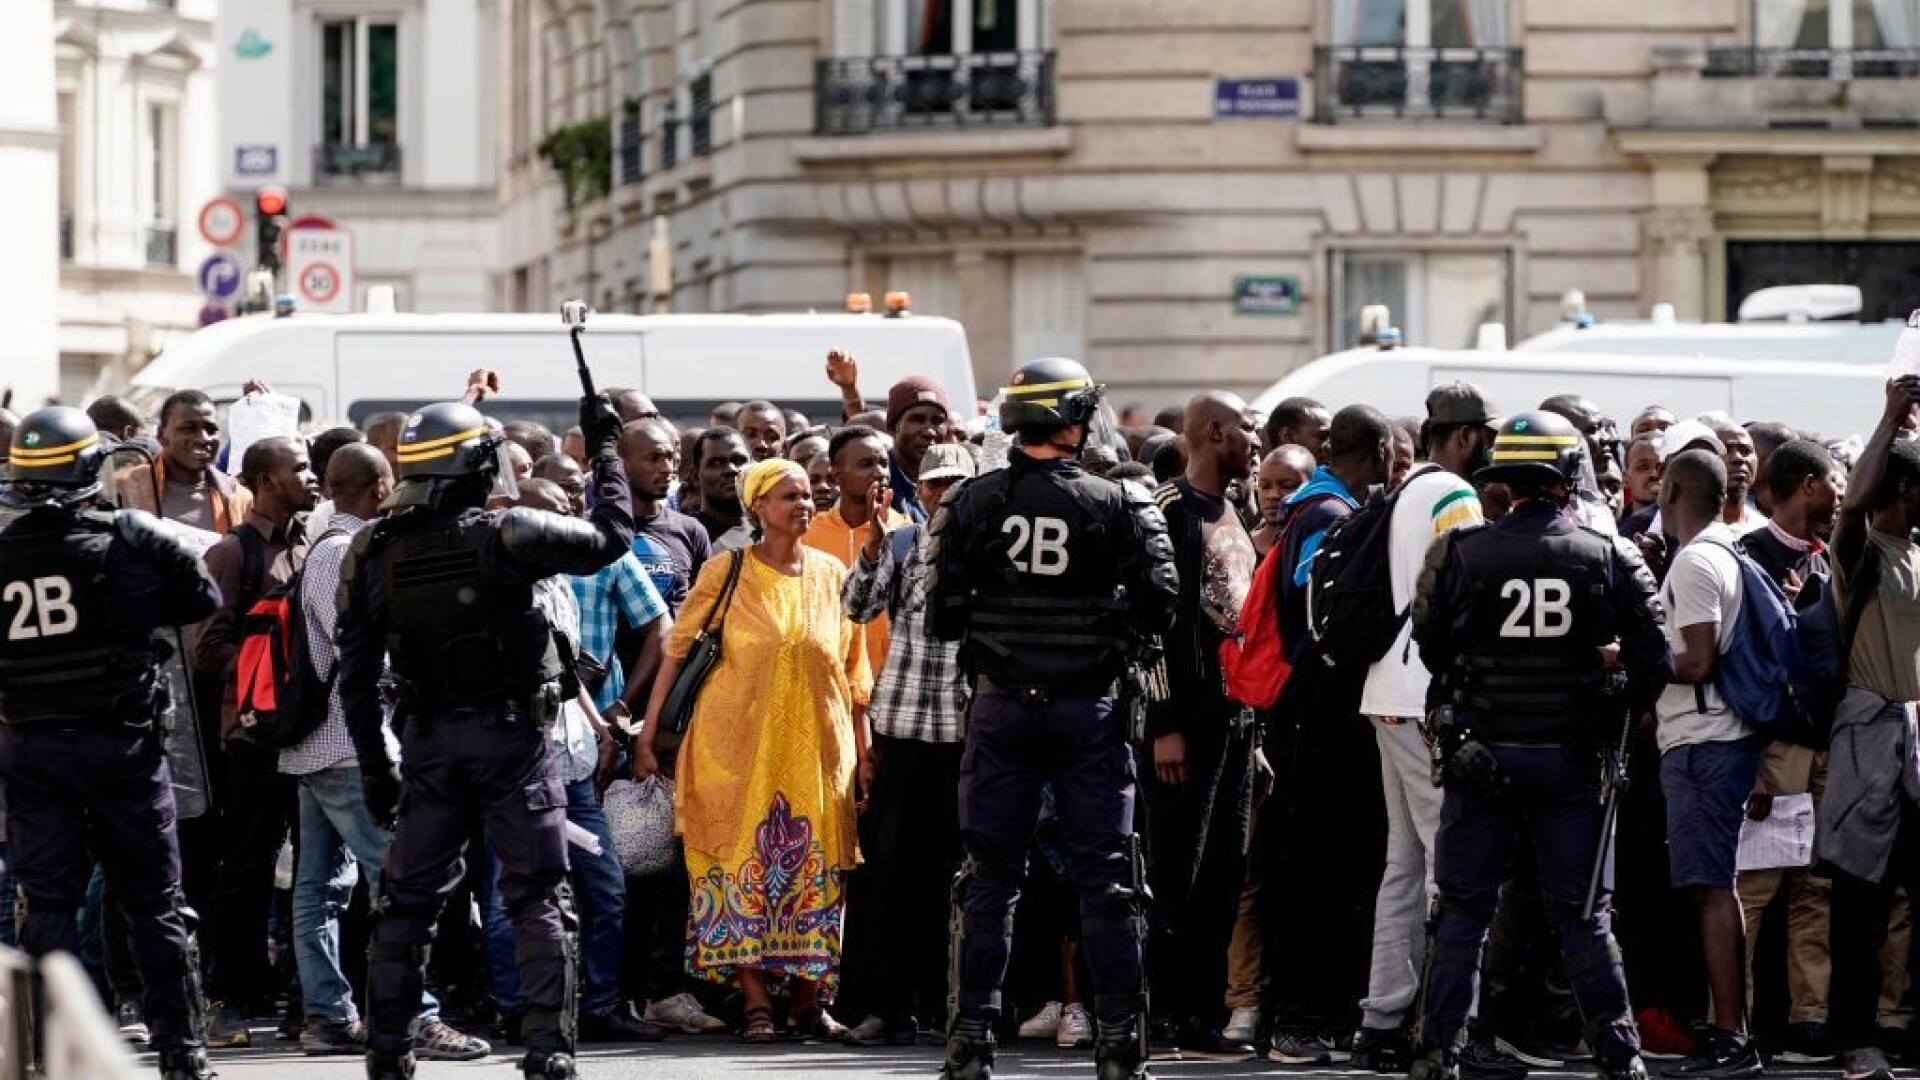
(320, 269)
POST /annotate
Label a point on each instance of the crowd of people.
(1290, 840)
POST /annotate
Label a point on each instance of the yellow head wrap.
(761, 476)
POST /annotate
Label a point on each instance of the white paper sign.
(1784, 839)
(256, 417)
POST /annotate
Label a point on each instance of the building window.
(359, 97)
(1436, 298)
(1418, 58)
(69, 173)
(937, 63)
(943, 27)
(1836, 24)
(700, 116)
(160, 186)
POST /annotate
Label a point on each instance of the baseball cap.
(1686, 433)
(948, 460)
(1459, 403)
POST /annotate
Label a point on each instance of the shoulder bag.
(677, 711)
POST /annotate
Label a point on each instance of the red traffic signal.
(270, 201)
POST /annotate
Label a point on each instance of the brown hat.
(948, 461)
(1459, 403)
(914, 390)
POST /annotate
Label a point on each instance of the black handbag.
(677, 711)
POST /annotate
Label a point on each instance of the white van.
(1833, 399)
(1836, 342)
(349, 367)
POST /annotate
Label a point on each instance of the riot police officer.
(1053, 580)
(81, 593)
(1544, 636)
(444, 589)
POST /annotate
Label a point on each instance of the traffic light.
(270, 217)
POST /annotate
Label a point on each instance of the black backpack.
(1350, 608)
(282, 700)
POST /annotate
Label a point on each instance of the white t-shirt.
(1702, 586)
(1430, 504)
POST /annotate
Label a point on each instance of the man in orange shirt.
(859, 457)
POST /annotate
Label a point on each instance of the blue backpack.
(1768, 675)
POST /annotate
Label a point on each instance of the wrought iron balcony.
(1752, 63)
(631, 150)
(1399, 82)
(162, 245)
(857, 95)
(335, 163)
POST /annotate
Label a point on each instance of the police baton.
(1613, 775)
(574, 314)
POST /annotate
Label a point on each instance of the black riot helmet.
(446, 450)
(1047, 395)
(54, 459)
(1540, 447)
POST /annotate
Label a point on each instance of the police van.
(349, 367)
(1831, 398)
(1789, 322)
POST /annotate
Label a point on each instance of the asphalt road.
(690, 1058)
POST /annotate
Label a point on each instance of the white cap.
(1684, 434)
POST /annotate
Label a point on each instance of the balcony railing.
(1399, 82)
(857, 95)
(162, 245)
(1749, 63)
(335, 163)
(66, 235)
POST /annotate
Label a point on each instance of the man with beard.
(1199, 789)
(720, 456)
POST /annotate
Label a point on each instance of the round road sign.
(319, 283)
(222, 221)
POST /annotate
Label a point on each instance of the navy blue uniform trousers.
(101, 793)
(1013, 749)
(458, 769)
(1551, 803)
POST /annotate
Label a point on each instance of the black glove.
(600, 424)
(380, 787)
(1473, 770)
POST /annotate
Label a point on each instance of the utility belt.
(1529, 700)
(1043, 696)
(540, 706)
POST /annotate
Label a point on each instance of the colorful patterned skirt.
(780, 911)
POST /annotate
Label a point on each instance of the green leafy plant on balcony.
(582, 153)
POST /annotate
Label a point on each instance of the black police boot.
(1118, 1055)
(969, 1050)
(1632, 1069)
(185, 1063)
(1436, 1064)
(385, 1065)
(547, 1065)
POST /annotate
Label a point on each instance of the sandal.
(817, 1023)
(759, 1025)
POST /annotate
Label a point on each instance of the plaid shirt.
(921, 693)
(622, 590)
(329, 745)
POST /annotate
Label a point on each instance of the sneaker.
(1298, 1047)
(320, 1037)
(1535, 1053)
(876, 1031)
(292, 1023)
(1434, 1065)
(1721, 1055)
(226, 1029)
(133, 1023)
(619, 1026)
(1806, 1043)
(1161, 1043)
(1382, 1050)
(682, 1012)
(1202, 1043)
(1075, 1028)
(1482, 1059)
(1043, 1024)
(1343, 1048)
(1243, 1025)
(1662, 1038)
(440, 1041)
(1865, 1063)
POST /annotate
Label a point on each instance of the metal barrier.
(77, 1040)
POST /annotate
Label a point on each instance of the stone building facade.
(1191, 193)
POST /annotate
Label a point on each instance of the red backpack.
(282, 699)
(1255, 662)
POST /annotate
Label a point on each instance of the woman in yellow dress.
(764, 800)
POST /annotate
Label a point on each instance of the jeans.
(337, 837)
(600, 899)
